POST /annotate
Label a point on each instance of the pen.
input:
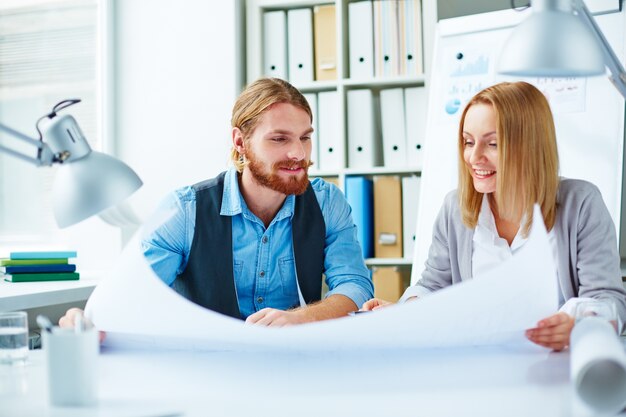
(45, 323)
(354, 313)
(78, 323)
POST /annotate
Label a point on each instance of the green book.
(55, 276)
(12, 262)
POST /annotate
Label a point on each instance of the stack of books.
(39, 266)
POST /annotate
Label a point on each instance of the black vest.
(208, 279)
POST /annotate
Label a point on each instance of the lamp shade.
(89, 185)
(551, 43)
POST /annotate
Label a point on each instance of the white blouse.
(489, 250)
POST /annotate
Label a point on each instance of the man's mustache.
(293, 164)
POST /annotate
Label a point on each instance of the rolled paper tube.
(598, 365)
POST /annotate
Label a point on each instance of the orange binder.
(387, 216)
(390, 282)
(325, 28)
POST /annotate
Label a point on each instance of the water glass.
(13, 337)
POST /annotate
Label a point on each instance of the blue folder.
(360, 196)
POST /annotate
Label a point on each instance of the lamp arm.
(617, 72)
(44, 154)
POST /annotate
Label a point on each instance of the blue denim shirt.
(264, 267)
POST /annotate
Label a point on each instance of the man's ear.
(238, 141)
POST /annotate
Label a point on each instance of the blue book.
(360, 196)
(22, 269)
(43, 254)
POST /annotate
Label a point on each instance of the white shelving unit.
(343, 83)
(388, 262)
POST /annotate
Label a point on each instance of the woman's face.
(480, 150)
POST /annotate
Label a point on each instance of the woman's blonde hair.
(528, 161)
(255, 100)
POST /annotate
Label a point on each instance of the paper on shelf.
(494, 309)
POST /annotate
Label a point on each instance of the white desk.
(461, 382)
(26, 295)
(51, 298)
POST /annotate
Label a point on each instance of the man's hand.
(552, 332)
(277, 318)
(67, 321)
(332, 307)
(375, 304)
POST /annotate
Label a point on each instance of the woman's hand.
(375, 304)
(67, 321)
(552, 332)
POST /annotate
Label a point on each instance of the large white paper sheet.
(493, 309)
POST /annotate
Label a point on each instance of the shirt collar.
(233, 202)
(486, 231)
(231, 197)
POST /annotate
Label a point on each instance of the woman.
(507, 162)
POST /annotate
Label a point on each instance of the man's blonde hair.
(255, 100)
(528, 161)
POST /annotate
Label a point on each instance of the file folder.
(359, 195)
(275, 44)
(333, 180)
(389, 282)
(325, 28)
(387, 216)
(416, 108)
(386, 54)
(411, 39)
(402, 50)
(393, 127)
(361, 37)
(410, 200)
(315, 154)
(363, 148)
(331, 146)
(300, 45)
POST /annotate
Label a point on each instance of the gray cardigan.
(588, 262)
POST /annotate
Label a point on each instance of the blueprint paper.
(597, 355)
(493, 309)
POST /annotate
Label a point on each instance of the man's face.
(279, 149)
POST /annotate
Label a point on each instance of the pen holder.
(72, 359)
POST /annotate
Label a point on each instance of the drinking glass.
(13, 337)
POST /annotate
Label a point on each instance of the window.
(48, 53)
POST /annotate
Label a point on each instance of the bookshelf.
(343, 84)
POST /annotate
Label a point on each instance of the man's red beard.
(295, 184)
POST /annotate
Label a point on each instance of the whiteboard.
(588, 113)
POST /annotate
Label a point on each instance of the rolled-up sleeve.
(166, 248)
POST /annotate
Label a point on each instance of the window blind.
(48, 52)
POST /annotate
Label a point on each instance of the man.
(254, 242)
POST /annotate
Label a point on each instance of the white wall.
(175, 82)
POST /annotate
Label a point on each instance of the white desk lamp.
(560, 39)
(87, 181)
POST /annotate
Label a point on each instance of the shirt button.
(264, 240)
(262, 273)
(259, 300)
